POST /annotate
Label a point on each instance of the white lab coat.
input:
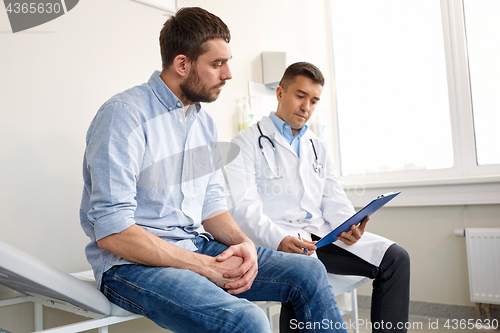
(268, 210)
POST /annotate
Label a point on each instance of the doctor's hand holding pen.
(303, 246)
(297, 245)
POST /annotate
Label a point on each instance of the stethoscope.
(317, 166)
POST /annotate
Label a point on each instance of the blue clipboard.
(368, 210)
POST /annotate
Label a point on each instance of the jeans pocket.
(123, 302)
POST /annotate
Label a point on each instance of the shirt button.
(184, 184)
(178, 103)
(170, 108)
(181, 120)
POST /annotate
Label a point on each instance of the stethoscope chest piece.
(317, 167)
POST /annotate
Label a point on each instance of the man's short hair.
(301, 68)
(186, 33)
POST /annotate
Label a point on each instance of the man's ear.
(279, 93)
(181, 65)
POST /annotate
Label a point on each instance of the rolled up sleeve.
(215, 199)
(115, 148)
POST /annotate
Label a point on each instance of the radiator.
(483, 258)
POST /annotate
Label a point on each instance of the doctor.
(291, 188)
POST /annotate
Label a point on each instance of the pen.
(305, 250)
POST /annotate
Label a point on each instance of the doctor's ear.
(279, 93)
(181, 65)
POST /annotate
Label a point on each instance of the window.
(416, 98)
(483, 33)
(392, 93)
(403, 89)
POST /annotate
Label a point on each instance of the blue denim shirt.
(146, 163)
(286, 132)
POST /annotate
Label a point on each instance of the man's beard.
(194, 90)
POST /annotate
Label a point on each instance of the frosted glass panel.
(391, 88)
(483, 36)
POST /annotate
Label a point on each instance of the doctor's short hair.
(187, 33)
(301, 68)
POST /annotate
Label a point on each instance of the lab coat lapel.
(278, 139)
(305, 167)
(269, 129)
(306, 154)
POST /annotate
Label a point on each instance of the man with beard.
(150, 182)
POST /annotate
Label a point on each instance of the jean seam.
(126, 281)
(165, 300)
(201, 314)
(295, 287)
(109, 292)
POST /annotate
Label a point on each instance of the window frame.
(466, 182)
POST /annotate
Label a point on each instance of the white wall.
(439, 272)
(54, 77)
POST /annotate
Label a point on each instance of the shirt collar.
(165, 95)
(284, 128)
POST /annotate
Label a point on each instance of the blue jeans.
(183, 301)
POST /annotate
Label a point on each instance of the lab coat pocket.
(315, 184)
